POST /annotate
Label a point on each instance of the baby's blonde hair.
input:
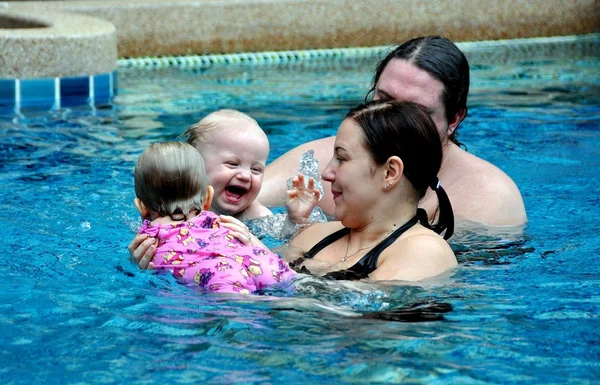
(170, 178)
(202, 132)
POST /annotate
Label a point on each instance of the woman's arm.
(142, 250)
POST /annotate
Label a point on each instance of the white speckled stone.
(180, 27)
(60, 45)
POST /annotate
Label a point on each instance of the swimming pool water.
(525, 301)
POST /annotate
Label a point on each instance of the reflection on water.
(477, 244)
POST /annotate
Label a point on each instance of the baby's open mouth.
(235, 192)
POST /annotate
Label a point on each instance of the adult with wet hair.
(434, 73)
(387, 154)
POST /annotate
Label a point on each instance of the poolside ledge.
(53, 44)
(183, 27)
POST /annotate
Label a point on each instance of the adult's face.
(402, 81)
(353, 175)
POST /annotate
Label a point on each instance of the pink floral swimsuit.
(201, 252)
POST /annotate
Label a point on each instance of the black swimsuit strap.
(328, 240)
(368, 263)
(421, 216)
(369, 260)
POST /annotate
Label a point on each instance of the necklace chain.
(346, 256)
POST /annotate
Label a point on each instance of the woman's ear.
(144, 212)
(393, 171)
(208, 198)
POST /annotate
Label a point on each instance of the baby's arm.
(301, 199)
(254, 211)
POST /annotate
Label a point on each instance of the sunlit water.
(525, 301)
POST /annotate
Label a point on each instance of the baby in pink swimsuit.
(173, 198)
(234, 150)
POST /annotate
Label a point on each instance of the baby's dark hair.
(170, 178)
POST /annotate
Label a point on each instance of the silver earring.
(385, 186)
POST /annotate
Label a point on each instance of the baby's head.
(235, 150)
(170, 180)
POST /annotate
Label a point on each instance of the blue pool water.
(525, 302)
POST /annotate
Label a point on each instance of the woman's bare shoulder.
(311, 235)
(417, 256)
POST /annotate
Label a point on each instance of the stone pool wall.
(64, 38)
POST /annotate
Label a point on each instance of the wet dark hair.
(170, 178)
(442, 59)
(406, 130)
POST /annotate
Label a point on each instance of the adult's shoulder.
(311, 235)
(481, 192)
(417, 255)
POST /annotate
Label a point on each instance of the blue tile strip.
(7, 94)
(103, 88)
(37, 93)
(74, 91)
(16, 94)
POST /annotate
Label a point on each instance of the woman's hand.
(142, 250)
(239, 230)
(301, 199)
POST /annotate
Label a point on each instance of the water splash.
(278, 226)
(309, 167)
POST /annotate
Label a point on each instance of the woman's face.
(353, 174)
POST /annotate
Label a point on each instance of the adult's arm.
(481, 192)
(503, 205)
(142, 250)
(281, 169)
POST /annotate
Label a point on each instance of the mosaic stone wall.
(42, 43)
(157, 27)
(55, 39)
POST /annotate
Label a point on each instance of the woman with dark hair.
(434, 73)
(386, 155)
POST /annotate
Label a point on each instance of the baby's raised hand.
(301, 199)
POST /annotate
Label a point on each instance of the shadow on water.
(477, 245)
(351, 296)
(363, 300)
